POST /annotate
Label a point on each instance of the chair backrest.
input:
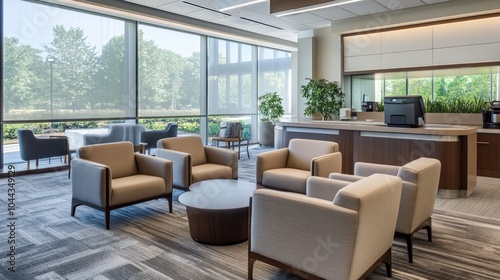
(376, 198)
(230, 129)
(186, 144)
(27, 142)
(171, 130)
(119, 156)
(302, 151)
(425, 174)
(126, 132)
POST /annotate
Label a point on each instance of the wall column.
(306, 66)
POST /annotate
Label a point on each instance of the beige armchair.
(193, 162)
(288, 168)
(344, 238)
(420, 184)
(110, 176)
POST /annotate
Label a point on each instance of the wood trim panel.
(458, 158)
(488, 149)
(452, 160)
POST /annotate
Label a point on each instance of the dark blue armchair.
(150, 137)
(33, 148)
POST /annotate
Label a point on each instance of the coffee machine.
(368, 106)
(495, 114)
(491, 118)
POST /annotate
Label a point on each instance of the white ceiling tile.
(262, 7)
(333, 13)
(303, 18)
(319, 24)
(364, 7)
(400, 4)
(179, 8)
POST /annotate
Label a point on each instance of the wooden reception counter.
(453, 145)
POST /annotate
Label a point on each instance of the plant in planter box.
(323, 97)
(271, 110)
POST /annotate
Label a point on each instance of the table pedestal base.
(218, 227)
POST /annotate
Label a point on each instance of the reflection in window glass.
(169, 72)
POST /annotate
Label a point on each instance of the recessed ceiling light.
(302, 10)
(241, 5)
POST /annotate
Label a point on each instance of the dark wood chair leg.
(107, 217)
(409, 244)
(388, 263)
(251, 262)
(429, 233)
(169, 198)
(73, 208)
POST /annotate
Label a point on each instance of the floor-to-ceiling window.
(66, 68)
(63, 65)
(171, 78)
(232, 83)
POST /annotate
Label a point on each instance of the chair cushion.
(289, 179)
(302, 151)
(136, 187)
(118, 156)
(187, 144)
(211, 171)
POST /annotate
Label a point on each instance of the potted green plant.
(323, 97)
(271, 110)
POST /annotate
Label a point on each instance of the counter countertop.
(488, 130)
(429, 129)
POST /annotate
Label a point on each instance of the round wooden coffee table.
(218, 210)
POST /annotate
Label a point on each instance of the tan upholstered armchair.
(347, 238)
(420, 184)
(193, 162)
(288, 168)
(110, 176)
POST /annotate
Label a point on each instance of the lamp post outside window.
(51, 59)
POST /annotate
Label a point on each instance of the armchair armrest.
(345, 177)
(324, 188)
(90, 180)
(366, 169)
(270, 160)
(282, 227)
(323, 165)
(223, 157)
(155, 166)
(181, 166)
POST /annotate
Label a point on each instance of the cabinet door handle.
(483, 143)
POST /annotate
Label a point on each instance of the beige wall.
(328, 56)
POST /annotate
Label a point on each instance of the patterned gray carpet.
(146, 242)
